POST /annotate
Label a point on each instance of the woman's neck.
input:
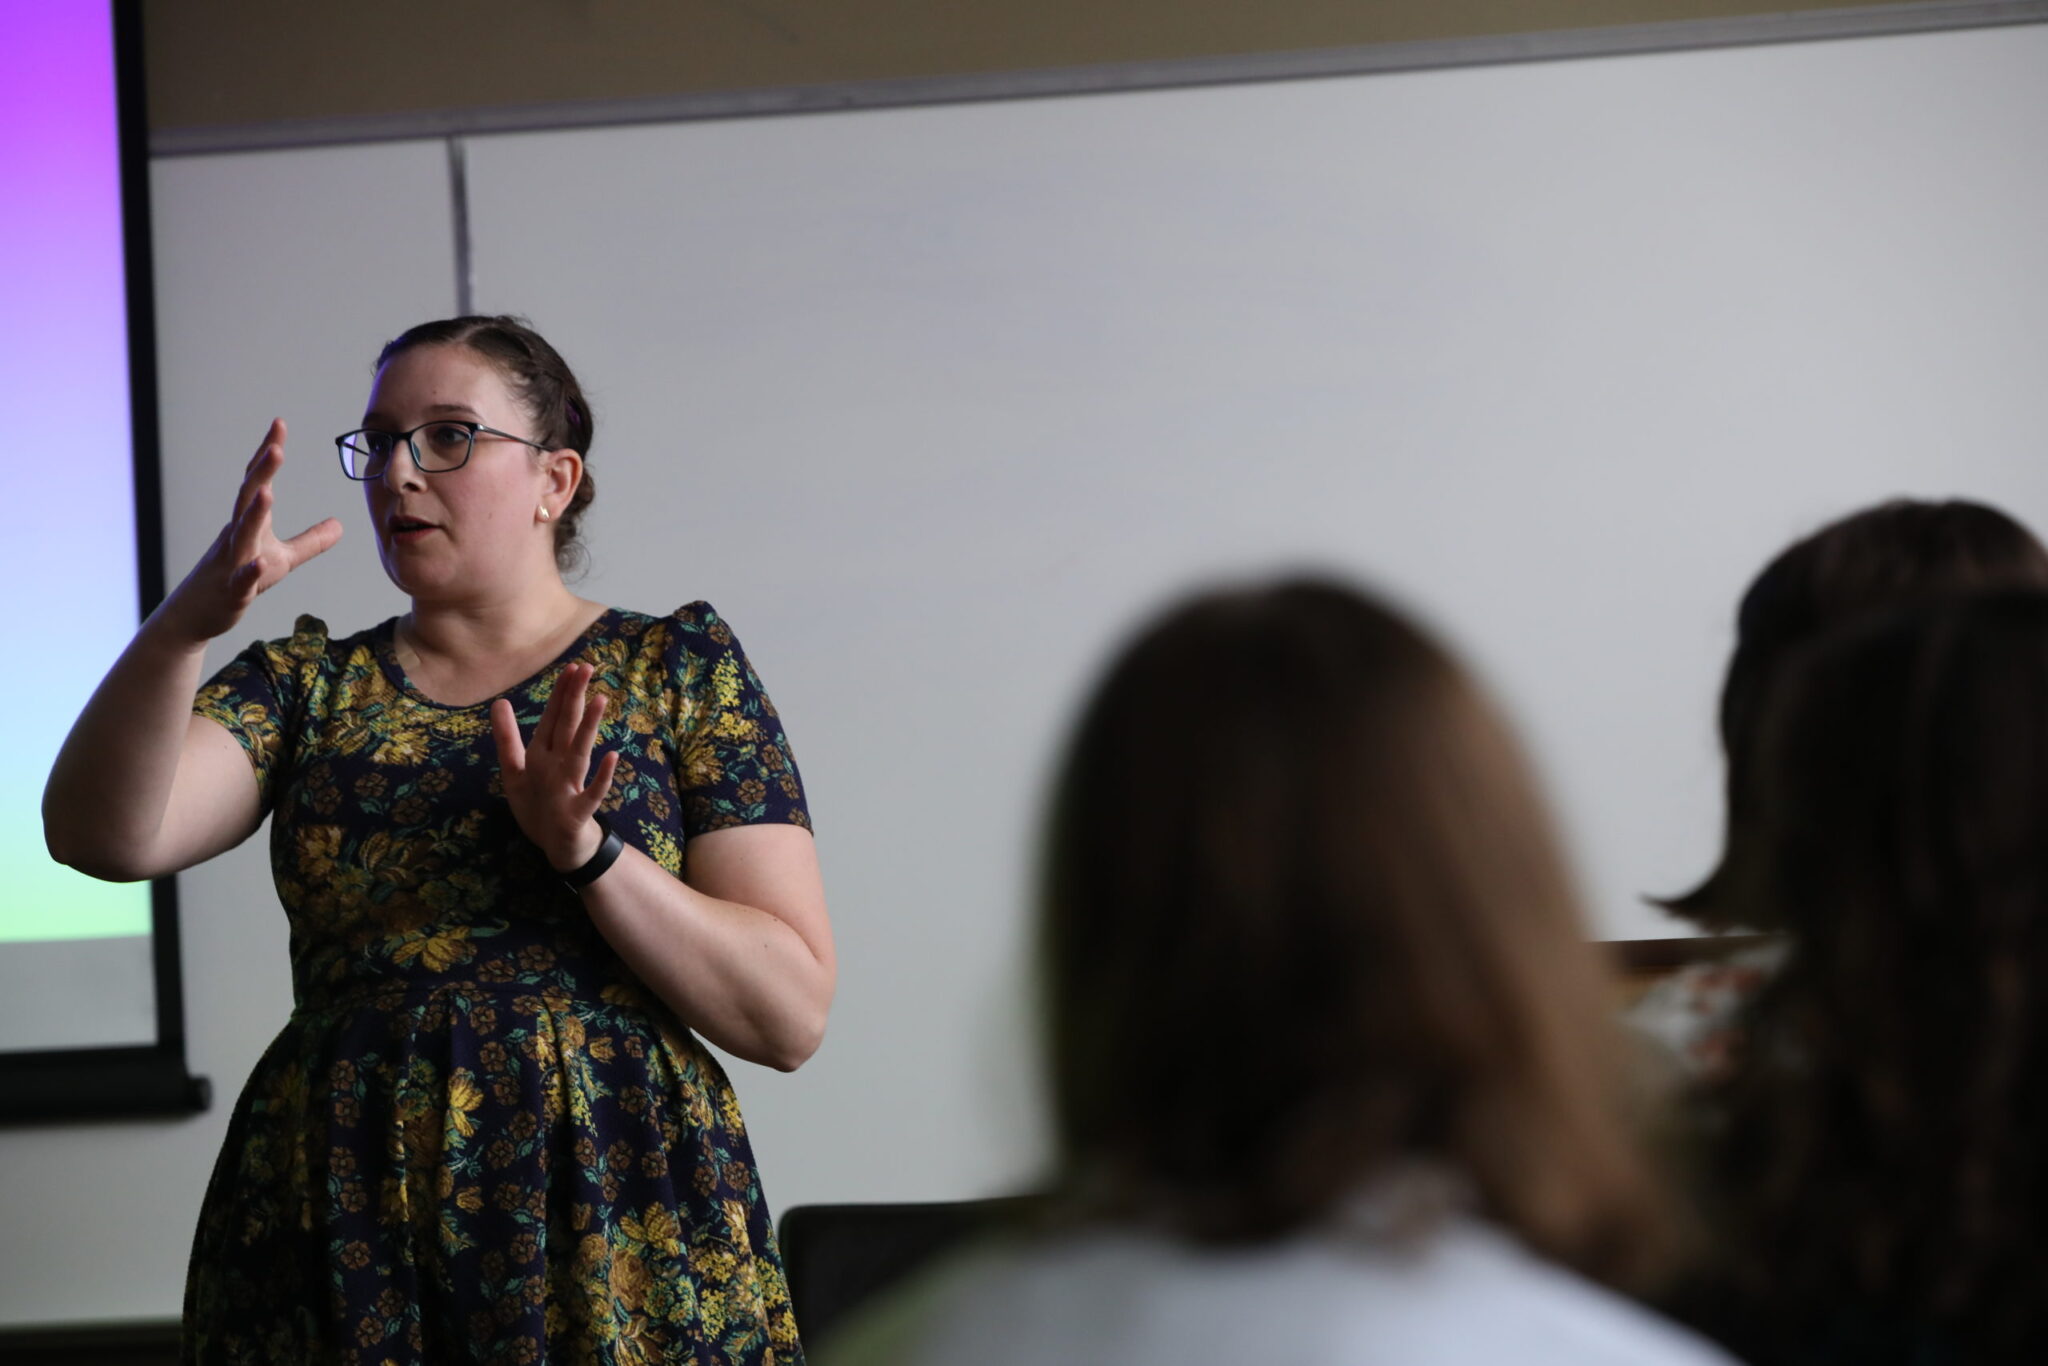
(467, 645)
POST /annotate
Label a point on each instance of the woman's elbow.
(78, 847)
(107, 865)
(797, 1041)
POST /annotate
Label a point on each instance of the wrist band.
(576, 879)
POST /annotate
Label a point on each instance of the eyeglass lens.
(438, 446)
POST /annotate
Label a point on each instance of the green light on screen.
(44, 900)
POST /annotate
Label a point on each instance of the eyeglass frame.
(342, 448)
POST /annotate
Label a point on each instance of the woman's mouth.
(405, 530)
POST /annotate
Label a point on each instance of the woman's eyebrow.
(373, 417)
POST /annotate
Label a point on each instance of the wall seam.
(458, 213)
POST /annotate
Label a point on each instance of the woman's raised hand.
(247, 557)
(548, 781)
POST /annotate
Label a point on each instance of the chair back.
(839, 1256)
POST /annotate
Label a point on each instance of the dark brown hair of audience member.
(1306, 921)
(1885, 1145)
(1883, 556)
(537, 373)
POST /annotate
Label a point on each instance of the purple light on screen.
(60, 169)
(69, 562)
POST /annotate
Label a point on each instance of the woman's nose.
(402, 471)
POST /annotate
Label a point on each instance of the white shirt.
(1463, 1294)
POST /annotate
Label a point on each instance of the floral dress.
(479, 1138)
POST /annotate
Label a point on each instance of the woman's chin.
(408, 578)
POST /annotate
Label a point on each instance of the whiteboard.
(932, 402)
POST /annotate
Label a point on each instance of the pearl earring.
(543, 514)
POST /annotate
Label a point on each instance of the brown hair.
(544, 382)
(1304, 920)
(1882, 556)
(1886, 1142)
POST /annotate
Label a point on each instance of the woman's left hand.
(549, 783)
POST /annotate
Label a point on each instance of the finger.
(505, 729)
(255, 521)
(246, 582)
(566, 700)
(586, 731)
(314, 540)
(263, 465)
(253, 479)
(600, 783)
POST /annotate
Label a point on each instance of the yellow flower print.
(733, 726)
(712, 1264)
(697, 1108)
(464, 1096)
(351, 739)
(619, 994)
(701, 767)
(319, 847)
(661, 847)
(630, 1279)
(470, 1198)
(661, 1229)
(437, 952)
(725, 682)
(401, 747)
(390, 858)
(462, 725)
(711, 1311)
(551, 1096)
(404, 915)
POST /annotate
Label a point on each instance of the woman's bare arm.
(741, 951)
(142, 787)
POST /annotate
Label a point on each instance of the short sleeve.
(257, 696)
(734, 765)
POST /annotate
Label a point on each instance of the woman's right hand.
(247, 558)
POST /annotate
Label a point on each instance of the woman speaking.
(531, 848)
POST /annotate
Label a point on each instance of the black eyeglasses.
(437, 447)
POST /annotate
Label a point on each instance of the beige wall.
(241, 62)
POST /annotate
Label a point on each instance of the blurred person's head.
(1307, 924)
(1883, 556)
(1886, 1144)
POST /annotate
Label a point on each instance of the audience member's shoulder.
(1538, 1313)
(1465, 1295)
